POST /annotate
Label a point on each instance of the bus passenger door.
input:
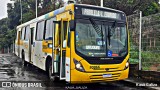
(56, 48)
(64, 26)
(31, 45)
(59, 47)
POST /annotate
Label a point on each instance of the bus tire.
(50, 76)
(24, 63)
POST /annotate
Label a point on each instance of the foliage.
(129, 6)
(13, 16)
(8, 25)
(6, 35)
(149, 59)
(133, 61)
(151, 9)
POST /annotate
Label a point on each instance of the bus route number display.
(99, 13)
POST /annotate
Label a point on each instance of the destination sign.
(100, 13)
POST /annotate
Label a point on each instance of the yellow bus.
(77, 43)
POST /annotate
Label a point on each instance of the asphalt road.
(13, 74)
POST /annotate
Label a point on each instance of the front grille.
(99, 77)
(104, 70)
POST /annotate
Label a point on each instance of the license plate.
(107, 75)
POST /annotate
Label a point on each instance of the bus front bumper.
(86, 77)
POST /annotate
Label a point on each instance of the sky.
(3, 8)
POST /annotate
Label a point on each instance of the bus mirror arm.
(57, 48)
(71, 25)
(70, 12)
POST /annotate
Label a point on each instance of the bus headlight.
(127, 65)
(78, 65)
(50, 45)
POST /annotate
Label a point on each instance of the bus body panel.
(39, 55)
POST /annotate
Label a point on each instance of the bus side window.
(59, 34)
(27, 33)
(65, 23)
(40, 31)
(18, 36)
(68, 43)
(48, 30)
(57, 30)
(32, 29)
(23, 33)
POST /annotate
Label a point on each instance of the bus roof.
(60, 10)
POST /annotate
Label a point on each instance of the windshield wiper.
(110, 32)
(97, 29)
(109, 36)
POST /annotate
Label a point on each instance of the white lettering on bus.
(93, 47)
(100, 13)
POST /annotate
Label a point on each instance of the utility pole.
(21, 11)
(140, 27)
(101, 3)
(54, 5)
(36, 8)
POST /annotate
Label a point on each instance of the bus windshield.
(100, 39)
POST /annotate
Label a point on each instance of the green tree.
(3, 32)
(153, 8)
